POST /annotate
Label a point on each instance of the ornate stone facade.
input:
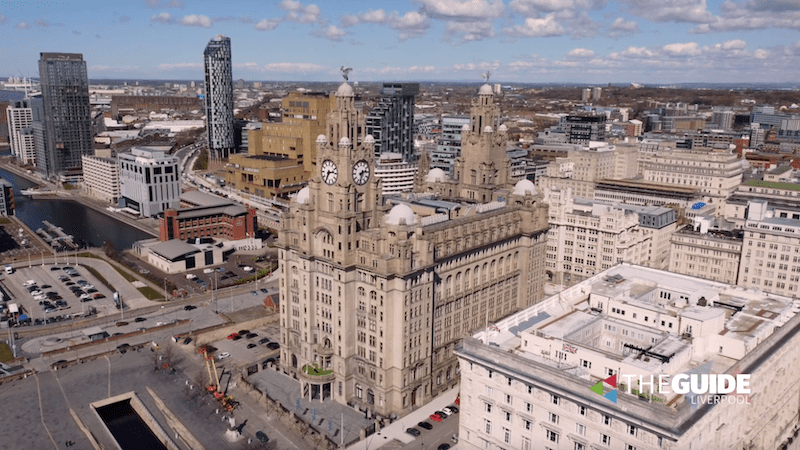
(377, 290)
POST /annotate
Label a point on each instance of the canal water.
(88, 226)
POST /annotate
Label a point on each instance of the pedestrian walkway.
(397, 429)
(326, 416)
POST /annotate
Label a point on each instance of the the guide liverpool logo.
(699, 388)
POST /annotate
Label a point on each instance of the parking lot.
(238, 349)
(52, 293)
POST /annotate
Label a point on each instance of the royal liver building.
(376, 291)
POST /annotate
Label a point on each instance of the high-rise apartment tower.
(219, 96)
(66, 128)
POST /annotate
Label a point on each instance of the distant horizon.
(723, 85)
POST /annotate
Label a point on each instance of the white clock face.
(329, 172)
(361, 172)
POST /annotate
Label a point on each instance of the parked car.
(455, 409)
(264, 290)
(442, 414)
(448, 411)
(413, 431)
(123, 347)
(243, 332)
(263, 438)
(251, 335)
(121, 323)
(187, 341)
(223, 355)
(425, 425)
(254, 292)
(251, 345)
(231, 336)
(140, 319)
(189, 307)
(263, 341)
(236, 337)
(273, 345)
(436, 418)
(444, 446)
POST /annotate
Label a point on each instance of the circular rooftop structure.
(303, 195)
(345, 90)
(400, 215)
(436, 175)
(502, 128)
(465, 127)
(344, 141)
(487, 129)
(322, 139)
(485, 90)
(368, 139)
(525, 187)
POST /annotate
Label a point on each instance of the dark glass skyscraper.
(65, 126)
(391, 121)
(219, 96)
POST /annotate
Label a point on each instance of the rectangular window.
(488, 407)
(552, 436)
(554, 418)
(526, 443)
(487, 426)
(507, 436)
(554, 399)
(580, 429)
(632, 430)
(605, 439)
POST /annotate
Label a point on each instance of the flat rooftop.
(643, 321)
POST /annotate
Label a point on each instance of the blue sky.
(584, 41)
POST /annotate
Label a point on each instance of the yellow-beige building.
(303, 120)
(268, 176)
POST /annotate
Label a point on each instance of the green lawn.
(151, 293)
(315, 371)
(6, 354)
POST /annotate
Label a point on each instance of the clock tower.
(345, 188)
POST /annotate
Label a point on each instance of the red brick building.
(226, 221)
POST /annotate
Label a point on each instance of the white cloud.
(2, 19)
(532, 8)
(370, 16)
(163, 17)
(691, 11)
(536, 28)
(266, 25)
(181, 66)
(470, 31)
(293, 67)
(735, 44)
(621, 26)
(682, 49)
(297, 12)
(247, 66)
(22, 26)
(580, 53)
(332, 32)
(462, 9)
(196, 20)
(637, 52)
(410, 25)
(753, 15)
(399, 70)
(761, 54)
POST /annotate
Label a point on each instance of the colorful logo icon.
(598, 388)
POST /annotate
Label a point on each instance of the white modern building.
(149, 181)
(715, 173)
(588, 236)
(101, 178)
(771, 249)
(573, 372)
(396, 175)
(219, 96)
(20, 130)
(705, 251)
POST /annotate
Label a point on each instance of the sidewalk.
(397, 430)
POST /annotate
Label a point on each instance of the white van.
(9, 270)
